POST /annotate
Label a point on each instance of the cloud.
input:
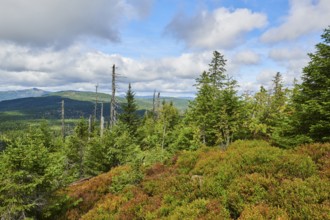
(293, 59)
(220, 28)
(60, 22)
(247, 57)
(79, 68)
(286, 54)
(305, 16)
(265, 78)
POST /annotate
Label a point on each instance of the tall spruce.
(228, 109)
(217, 70)
(313, 99)
(215, 109)
(129, 115)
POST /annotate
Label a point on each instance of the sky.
(161, 45)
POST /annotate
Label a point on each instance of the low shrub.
(263, 211)
(251, 189)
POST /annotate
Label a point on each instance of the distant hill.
(16, 94)
(48, 107)
(77, 104)
(143, 102)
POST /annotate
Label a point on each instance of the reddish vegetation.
(251, 180)
(87, 193)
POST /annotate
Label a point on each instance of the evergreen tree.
(228, 108)
(203, 109)
(76, 149)
(313, 99)
(29, 174)
(129, 115)
(217, 69)
(259, 114)
(215, 111)
(278, 101)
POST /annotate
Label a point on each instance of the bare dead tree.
(158, 105)
(113, 112)
(101, 121)
(89, 126)
(63, 129)
(96, 100)
(154, 104)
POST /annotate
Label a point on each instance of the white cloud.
(220, 28)
(247, 57)
(305, 16)
(79, 68)
(265, 78)
(294, 59)
(287, 54)
(60, 22)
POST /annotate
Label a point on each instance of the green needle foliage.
(129, 115)
(313, 99)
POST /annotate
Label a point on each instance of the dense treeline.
(37, 164)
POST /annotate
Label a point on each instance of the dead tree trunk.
(154, 104)
(96, 100)
(158, 105)
(113, 98)
(101, 121)
(63, 129)
(89, 126)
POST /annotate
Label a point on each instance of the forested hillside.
(228, 156)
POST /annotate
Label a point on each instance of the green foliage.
(263, 211)
(303, 199)
(250, 180)
(319, 153)
(129, 115)
(216, 109)
(125, 179)
(29, 173)
(199, 208)
(313, 99)
(250, 189)
(75, 150)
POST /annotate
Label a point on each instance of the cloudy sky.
(156, 44)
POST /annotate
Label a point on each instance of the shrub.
(249, 190)
(301, 199)
(187, 161)
(85, 194)
(320, 154)
(294, 166)
(209, 162)
(200, 209)
(263, 211)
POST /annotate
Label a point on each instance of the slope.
(251, 180)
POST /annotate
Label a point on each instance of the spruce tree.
(215, 111)
(217, 70)
(313, 99)
(203, 109)
(129, 115)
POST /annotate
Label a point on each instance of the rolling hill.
(16, 94)
(47, 105)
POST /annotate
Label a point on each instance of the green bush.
(200, 209)
(251, 189)
(294, 166)
(187, 161)
(263, 211)
(301, 199)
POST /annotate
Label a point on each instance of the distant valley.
(34, 104)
